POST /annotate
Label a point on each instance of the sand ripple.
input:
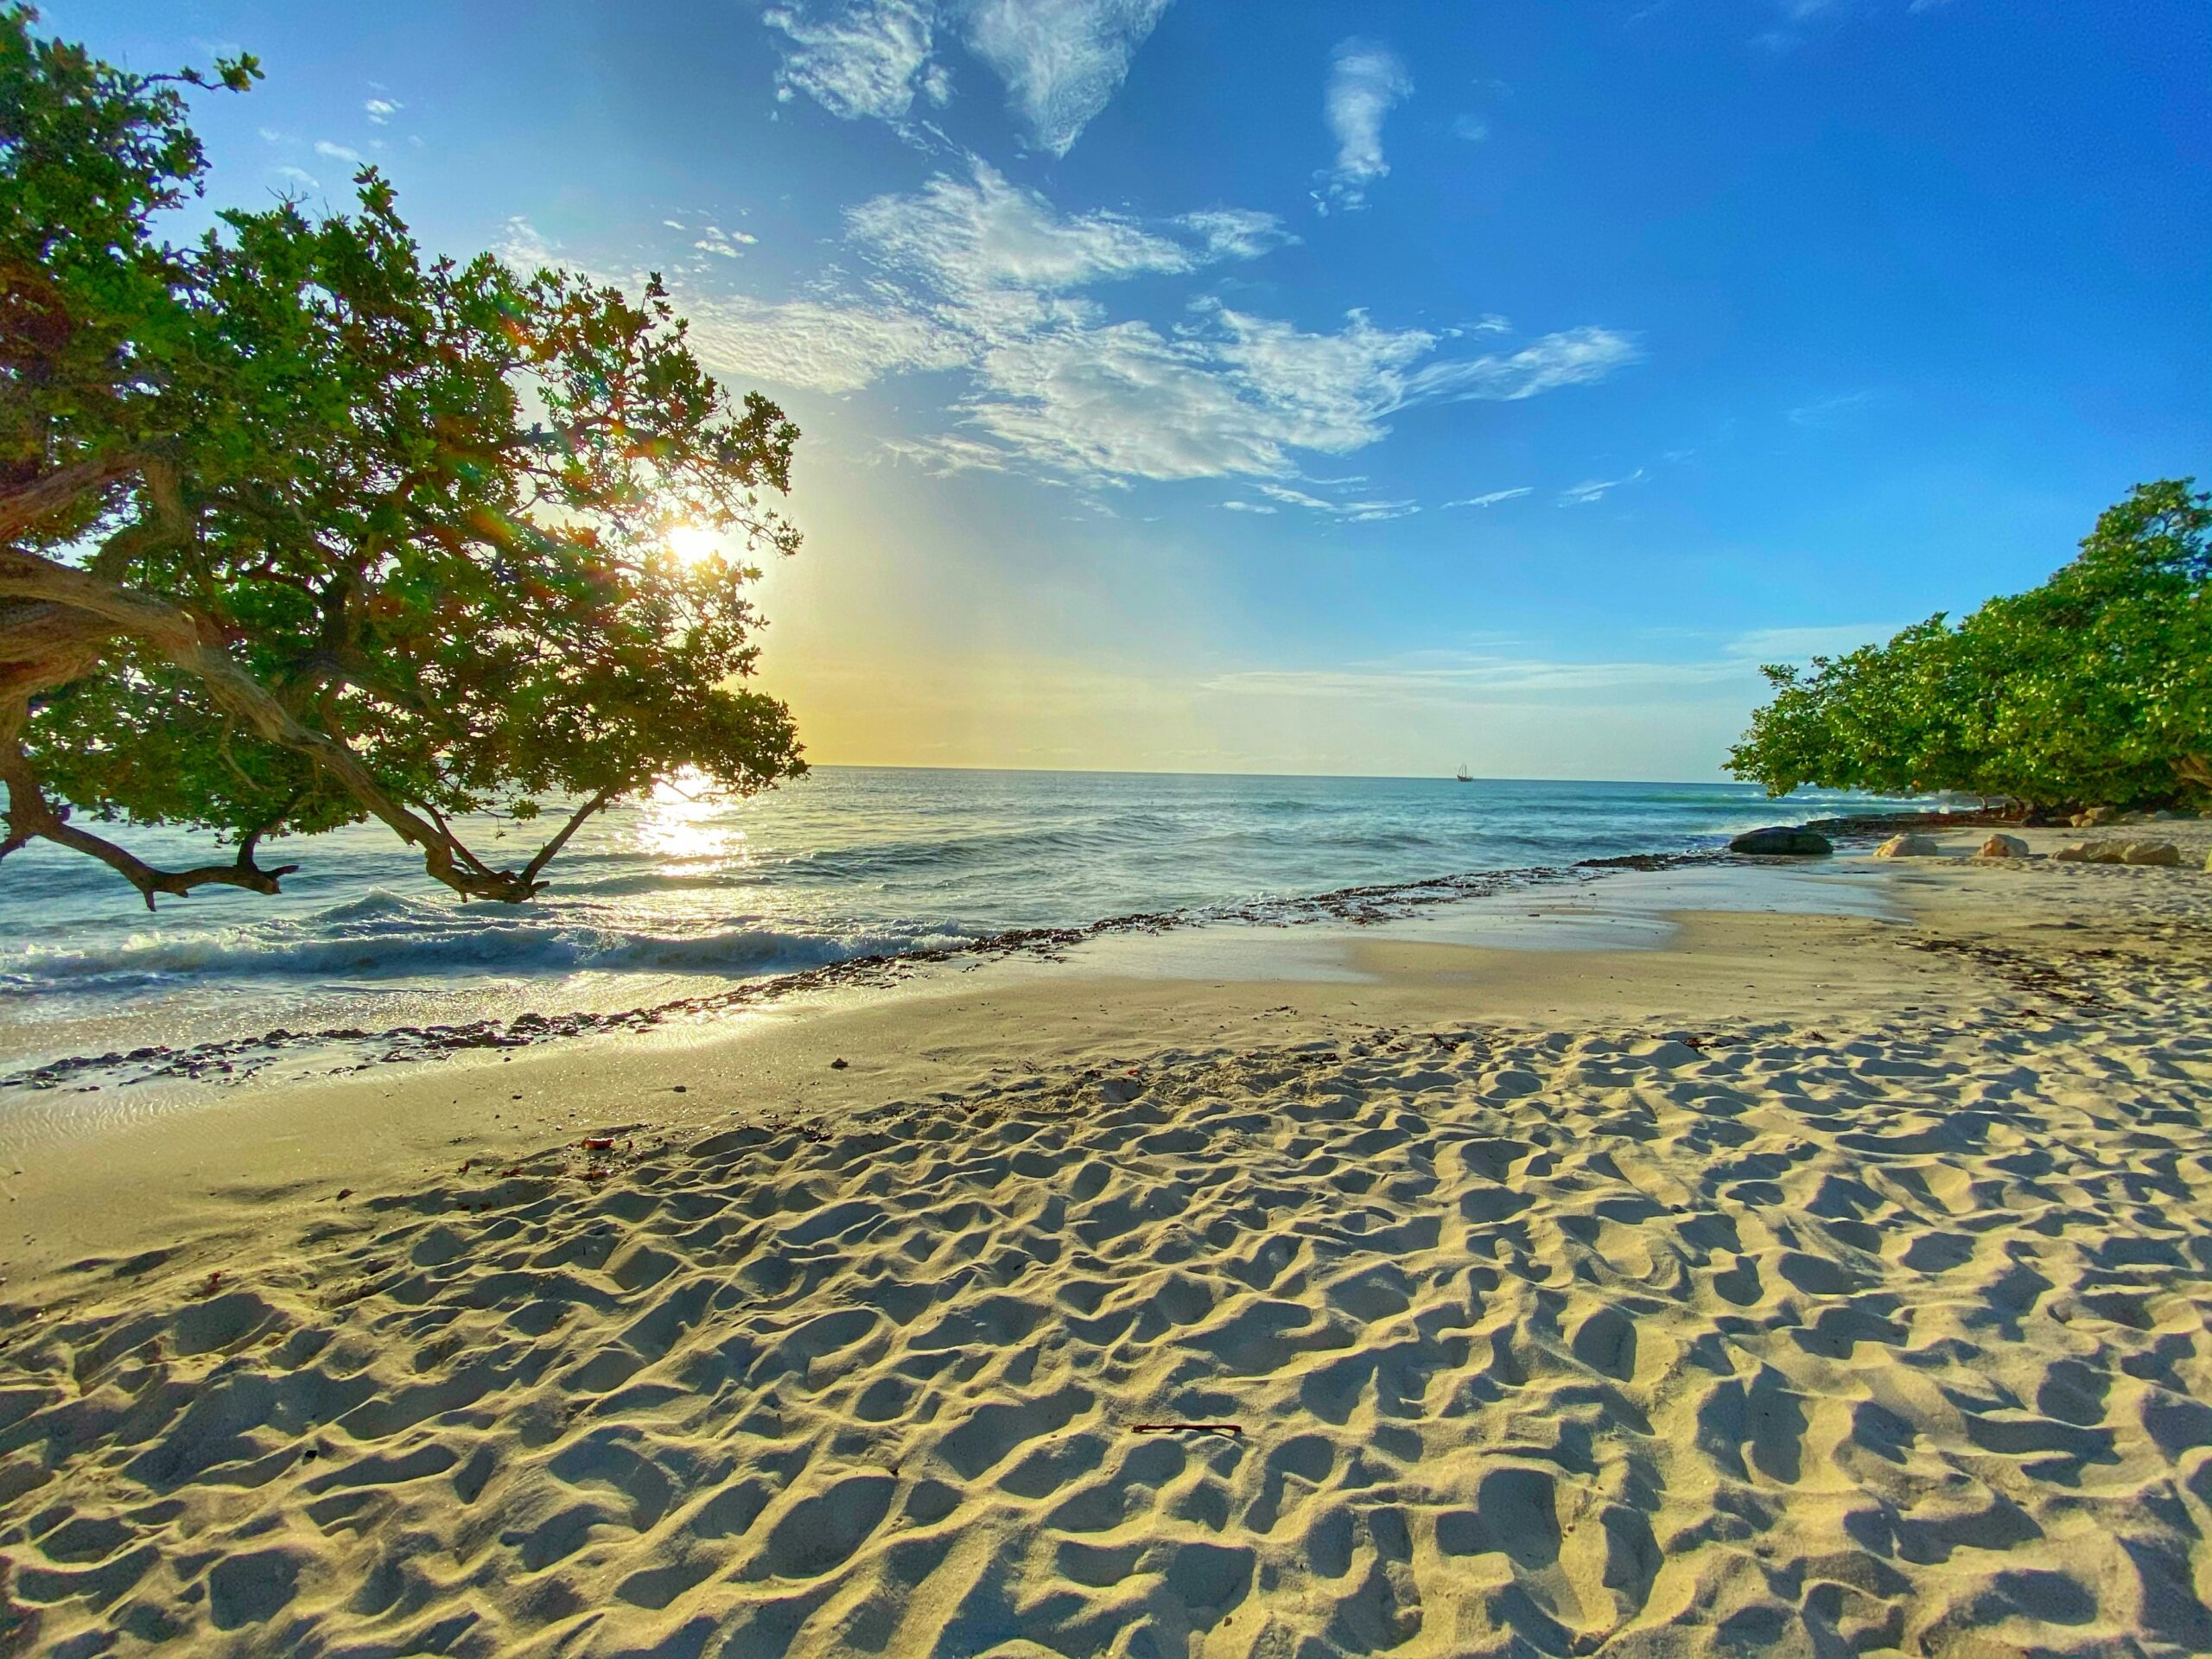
(1772, 1341)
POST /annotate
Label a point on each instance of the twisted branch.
(182, 641)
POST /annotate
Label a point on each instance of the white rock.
(2151, 852)
(2004, 847)
(1909, 846)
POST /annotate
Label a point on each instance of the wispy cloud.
(1352, 511)
(728, 245)
(835, 346)
(948, 452)
(863, 58)
(337, 152)
(1797, 644)
(1593, 490)
(1792, 18)
(1492, 498)
(1501, 669)
(964, 236)
(381, 110)
(1237, 232)
(1480, 676)
(298, 175)
(1061, 61)
(1829, 411)
(1365, 80)
(1573, 357)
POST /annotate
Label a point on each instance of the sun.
(693, 543)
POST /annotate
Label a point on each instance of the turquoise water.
(659, 900)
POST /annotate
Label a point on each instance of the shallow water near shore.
(658, 902)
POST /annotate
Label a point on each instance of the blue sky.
(1329, 387)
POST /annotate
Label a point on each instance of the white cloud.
(521, 247)
(1237, 232)
(863, 58)
(828, 346)
(1365, 80)
(381, 110)
(1472, 128)
(1062, 60)
(1574, 357)
(1358, 513)
(1492, 498)
(1229, 394)
(1593, 490)
(729, 244)
(948, 452)
(337, 152)
(967, 236)
(298, 175)
(1464, 676)
(1250, 506)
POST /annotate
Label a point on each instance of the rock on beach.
(2003, 847)
(1782, 841)
(2122, 852)
(1909, 846)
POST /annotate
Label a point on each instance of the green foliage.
(422, 504)
(2094, 687)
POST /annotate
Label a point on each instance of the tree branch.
(24, 505)
(545, 854)
(30, 814)
(180, 638)
(459, 845)
(169, 523)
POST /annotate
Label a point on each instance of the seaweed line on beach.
(234, 1059)
(238, 1058)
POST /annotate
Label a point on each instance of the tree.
(2095, 687)
(299, 527)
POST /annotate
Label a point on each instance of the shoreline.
(1808, 1278)
(355, 1048)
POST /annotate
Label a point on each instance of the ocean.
(654, 902)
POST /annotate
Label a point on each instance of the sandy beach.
(1811, 1280)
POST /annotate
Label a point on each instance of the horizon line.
(1336, 777)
